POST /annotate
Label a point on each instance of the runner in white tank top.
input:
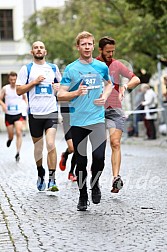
(13, 112)
(12, 100)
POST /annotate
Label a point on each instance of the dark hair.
(12, 74)
(106, 40)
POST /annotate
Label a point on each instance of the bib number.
(92, 81)
(12, 107)
(42, 89)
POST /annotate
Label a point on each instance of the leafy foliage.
(139, 28)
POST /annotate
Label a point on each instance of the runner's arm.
(133, 83)
(64, 95)
(107, 91)
(2, 96)
(22, 89)
(2, 93)
(25, 98)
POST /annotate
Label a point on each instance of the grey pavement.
(132, 220)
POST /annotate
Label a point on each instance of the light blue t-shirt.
(83, 111)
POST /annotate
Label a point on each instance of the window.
(4, 78)
(6, 24)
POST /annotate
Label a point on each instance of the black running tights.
(97, 137)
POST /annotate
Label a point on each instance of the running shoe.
(72, 177)
(17, 157)
(96, 194)
(8, 143)
(52, 186)
(41, 185)
(63, 161)
(82, 203)
(117, 184)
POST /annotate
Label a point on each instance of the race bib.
(43, 89)
(12, 107)
(92, 81)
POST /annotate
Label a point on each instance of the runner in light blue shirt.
(83, 110)
(87, 85)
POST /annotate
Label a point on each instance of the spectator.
(139, 97)
(150, 102)
(165, 94)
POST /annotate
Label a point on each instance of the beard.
(105, 59)
(38, 57)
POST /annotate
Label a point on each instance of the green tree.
(156, 11)
(139, 34)
(48, 26)
(157, 8)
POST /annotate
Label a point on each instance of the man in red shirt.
(115, 118)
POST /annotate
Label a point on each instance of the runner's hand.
(39, 79)
(56, 86)
(4, 108)
(100, 101)
(122, 93)
(82, 90)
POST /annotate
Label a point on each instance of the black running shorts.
(11, 119)
(38, 124)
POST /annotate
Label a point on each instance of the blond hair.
(82, 35)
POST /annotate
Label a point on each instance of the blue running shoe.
(52, 187)
(41, 183)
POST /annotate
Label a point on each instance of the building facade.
(13, 47)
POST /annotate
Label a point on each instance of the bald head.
(38, 43)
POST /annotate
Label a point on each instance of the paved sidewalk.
(132, 221)
(161, 141)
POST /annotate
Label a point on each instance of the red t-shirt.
(116, 70)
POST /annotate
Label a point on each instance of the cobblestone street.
(133, 220)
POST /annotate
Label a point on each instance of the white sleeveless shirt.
(41, 98)
(12, 101)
